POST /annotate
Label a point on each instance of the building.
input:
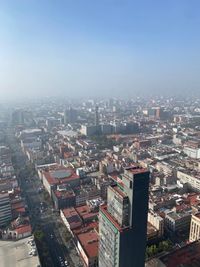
(63, 197)
(106, 129)
(17, 253)
(177, 221)
(90, 130)
(86, 193)
(157, 221)
(192, 152)
(70, 115)
(87, 244)
(59, 176)
(70, 218)
(189, 178)
(187, 256)
(86, 214)
(96, 116)
(123, 221)
(195, 228)
(5, 209)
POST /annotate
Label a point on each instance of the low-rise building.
(59, 176)
(63, 197)
(195, 228)
(70, 218)
(86, 214)
(177, 221)
(88, 245)
(192, 179)
(157, 221)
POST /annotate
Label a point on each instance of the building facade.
(195, 228)
(5, 209)
(123, 221)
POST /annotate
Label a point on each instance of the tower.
(123, 221)
(70, 115)
(96, 116)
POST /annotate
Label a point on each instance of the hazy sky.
(98, 47)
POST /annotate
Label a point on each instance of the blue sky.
(99, 48)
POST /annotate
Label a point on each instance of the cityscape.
(99, 133)
(104, 183)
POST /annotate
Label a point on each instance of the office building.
(96, 116)
(123, 221)
(70, 115)
(5, 209)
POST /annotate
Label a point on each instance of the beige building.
(195, 228)
(157, 221)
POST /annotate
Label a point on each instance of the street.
(46, 220)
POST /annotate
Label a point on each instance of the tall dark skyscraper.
(123, 221)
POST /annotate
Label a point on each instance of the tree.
(39, 235)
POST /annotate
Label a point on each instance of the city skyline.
(104, 48)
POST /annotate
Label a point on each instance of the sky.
(103, 48)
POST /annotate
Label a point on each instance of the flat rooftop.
(16, 254)
(188, 256)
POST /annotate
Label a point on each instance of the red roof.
(64, 194)
(85, 213)
(72, 217)
(90, 243)
(24, 229)
(86, 227)
(185, 256)
(53, 181)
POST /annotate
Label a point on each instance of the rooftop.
(90, 243)
(188, 256)
(86, 228)
(197, 215)
(64, 193)
(72, 217)
(60, 175)
(85, 212)
(17, 254)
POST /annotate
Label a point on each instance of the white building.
(192, 152)
(190, 179)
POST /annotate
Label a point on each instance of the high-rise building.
(96, 116)
(18, 117)
(123, 221)
(70, 115)
(5, 209)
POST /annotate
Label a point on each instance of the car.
(51, 235)
(66, 263)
